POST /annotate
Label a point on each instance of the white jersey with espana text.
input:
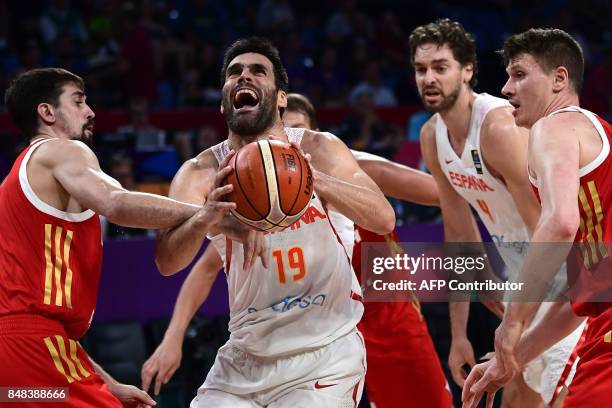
(309, 295)
(487, 194)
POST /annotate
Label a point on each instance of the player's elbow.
(386, 221)
(165, 266)
(562, 226)
(164, 261)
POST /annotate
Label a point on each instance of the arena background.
(152, 75)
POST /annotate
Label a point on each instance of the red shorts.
(403, 366)
(592, 384)
(35, 352)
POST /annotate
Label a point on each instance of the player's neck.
(562, 100)
(236, 141)
(457, 118)
(47, 132)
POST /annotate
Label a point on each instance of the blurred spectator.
(169, 51)
(340, 24)
(372, 84)
(67, 55)
(364, 130)
(597, 95)
(391, 40)
(201, 86)
(121, 169)
(59, 18)
(297, 64)
(275, 16)
(191, 143)
(144, 136)
(328, 86)
(138, 57)
(415, 123)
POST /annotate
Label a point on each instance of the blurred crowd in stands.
(148, 56)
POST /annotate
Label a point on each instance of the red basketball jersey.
(386, 324)
(588, 272)
(50, 260)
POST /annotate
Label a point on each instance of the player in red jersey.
(50, 241)
(570, 170)
(403, 367)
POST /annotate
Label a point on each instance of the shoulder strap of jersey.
(295, 134)
(221, 150)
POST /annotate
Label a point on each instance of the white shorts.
(543, 373)
(331, 376)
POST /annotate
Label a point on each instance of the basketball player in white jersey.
(395, 180)
(293, 340)
(478, 157)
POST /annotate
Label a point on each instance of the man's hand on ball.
(215, 208)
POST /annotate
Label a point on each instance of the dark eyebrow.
(234, 66)
(440, 61)
(252, 67)
(260, 67)
(80, 94)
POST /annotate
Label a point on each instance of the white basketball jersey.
(487, 194)
(307, 298)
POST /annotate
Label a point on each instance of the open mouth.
(245, 99)
(515, 105)
(431, 93)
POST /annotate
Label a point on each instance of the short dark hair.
(551, 48)
(28, 90)
(261, 46)
(445, 31)
(299, 103)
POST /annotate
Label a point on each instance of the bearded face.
(440, 78)
(248, 109)
(250, 96)
(74, 117)
(436, 100)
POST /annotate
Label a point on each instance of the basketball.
(272, 183)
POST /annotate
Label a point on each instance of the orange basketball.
(272, 183)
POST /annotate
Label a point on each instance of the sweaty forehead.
(428, 52)
(251, 58)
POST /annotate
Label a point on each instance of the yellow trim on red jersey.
(56, 359)
(49, 265)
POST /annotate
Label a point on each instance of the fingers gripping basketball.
(273, 185)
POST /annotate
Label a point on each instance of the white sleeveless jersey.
(307, 298)
(487, 194)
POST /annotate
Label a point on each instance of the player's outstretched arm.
(504, 147)
(342, 184)
(554, 155)
(399, 181)
(166, 359)
(77, 169)
(197, 182)
(559, 321)
(459, 226)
